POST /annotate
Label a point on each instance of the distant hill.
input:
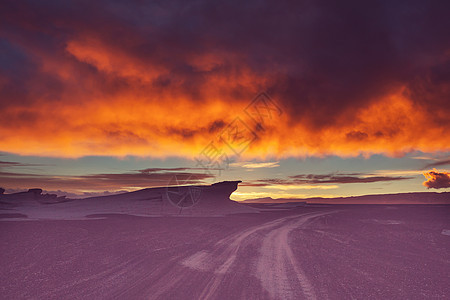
(200, 200)
(401, 198)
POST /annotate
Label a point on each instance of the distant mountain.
(401, 198)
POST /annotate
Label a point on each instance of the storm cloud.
(164, 78)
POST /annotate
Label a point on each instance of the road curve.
(279, 272)
(323, 252)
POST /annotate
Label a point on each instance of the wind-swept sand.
(333, 252)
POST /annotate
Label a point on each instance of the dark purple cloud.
(158, 170)
(331, 56)
(9, 164)
(324, 179)
(437, 179)
(323, 61)
(153, 177)
(438, 164)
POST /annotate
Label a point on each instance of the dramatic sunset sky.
(294, 98)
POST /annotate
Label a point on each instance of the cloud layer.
(320, 181)
(92, 184)
(165, 78)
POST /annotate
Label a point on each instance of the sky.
(294, 98)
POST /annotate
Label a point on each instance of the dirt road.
(311, 253)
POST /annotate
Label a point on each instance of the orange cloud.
(436, 179)
(140, 121)
(166, 85)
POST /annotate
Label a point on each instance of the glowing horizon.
(176, 86)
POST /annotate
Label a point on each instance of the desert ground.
(299, 252)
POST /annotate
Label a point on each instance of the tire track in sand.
(275, 261)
